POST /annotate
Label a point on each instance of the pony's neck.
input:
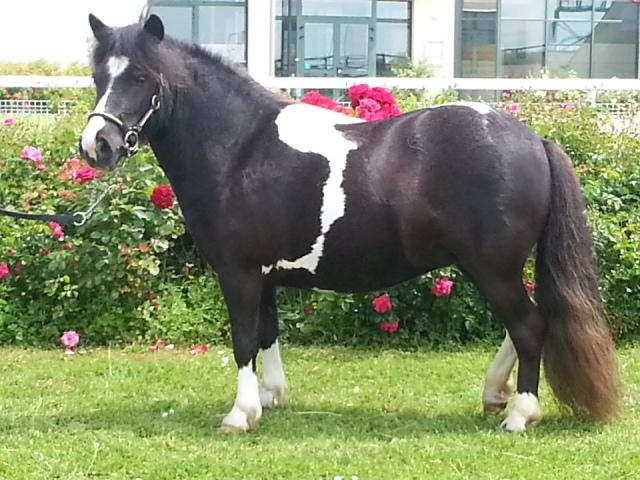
(214, 115)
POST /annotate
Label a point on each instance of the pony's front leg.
(273, 390)
(242, 291)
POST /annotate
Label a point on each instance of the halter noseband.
(131, 135)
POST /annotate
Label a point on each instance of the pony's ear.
(153, 26)
(100, 30)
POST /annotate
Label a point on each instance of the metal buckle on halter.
(131, 135)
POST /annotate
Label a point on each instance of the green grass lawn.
(370, 414)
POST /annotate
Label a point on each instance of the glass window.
(615, 51)
(338, 8)
(523, 9)
(568, 48)
(395, 10)
(522, 48)
(178, 21)
(478, 43)
(392, 46)
(222, 30)
(615, 10)
(569, 9)
(354, 50)
(318, 50)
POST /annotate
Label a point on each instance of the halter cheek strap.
(131, 135)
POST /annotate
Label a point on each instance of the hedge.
(132, 274)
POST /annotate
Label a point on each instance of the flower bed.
(130, 274)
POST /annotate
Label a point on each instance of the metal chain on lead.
(82, 217)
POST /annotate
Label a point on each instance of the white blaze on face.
(311, 129)
(115, 67)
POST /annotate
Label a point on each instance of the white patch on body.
(115, 67)
(274, 388)
(246, 411)
(525, 412)
(311, 129)
(499, 384)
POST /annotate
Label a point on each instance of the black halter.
(131, 135)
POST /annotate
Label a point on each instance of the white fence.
(298, 84)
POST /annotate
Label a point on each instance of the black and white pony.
(283, 194)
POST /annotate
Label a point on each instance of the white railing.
(290, 83)
(297, 84)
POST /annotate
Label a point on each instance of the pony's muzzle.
(103, 148)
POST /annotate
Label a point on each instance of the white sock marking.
(115, 67)
(274, 385)
(246, 410)
(311, 129)
(499, 384)
(525, 411)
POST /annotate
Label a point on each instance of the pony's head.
(131, 89)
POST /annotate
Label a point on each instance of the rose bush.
(131, 274)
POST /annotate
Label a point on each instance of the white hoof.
(525, 413)
(239, 420)
(273, 396)
(495, 400)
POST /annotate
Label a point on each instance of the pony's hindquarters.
(579, 355)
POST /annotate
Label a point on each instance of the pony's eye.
(140, 79)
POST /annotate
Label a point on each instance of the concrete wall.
(57, 30)
(433, 35)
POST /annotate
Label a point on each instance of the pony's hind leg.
(242, 293)
(273, 389)
(526, 328)
(499, 383)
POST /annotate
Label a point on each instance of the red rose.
(389, 327)
(382, 304)
(85, 174)
(162, 197)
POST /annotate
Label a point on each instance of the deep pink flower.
(199, 349)
(389, 327)
(513, 108)
(162, 197)
(357, 93)
(8, 122)
(530, 287)
(31, 153)
(69, 340)
(56, 230)
(4, 270)
(157, 346)
(442, 287)
(382, 303)
(40, 167)
(382, 95)
(566, 105)
(315, 98)
(85, 174)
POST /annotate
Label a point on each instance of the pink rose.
(315, 98)
(513, 108)
(4, 270)
(69, 340)
(31, 153)
(505, 96)
(56, 230)
(530, 287)
(442, 287)
(8, 122)
(382, 303)
(566, 106)
(382, 95)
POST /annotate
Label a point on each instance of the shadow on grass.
(298, 421)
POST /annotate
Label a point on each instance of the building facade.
(455, 38)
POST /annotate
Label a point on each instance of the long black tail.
(579, 355)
